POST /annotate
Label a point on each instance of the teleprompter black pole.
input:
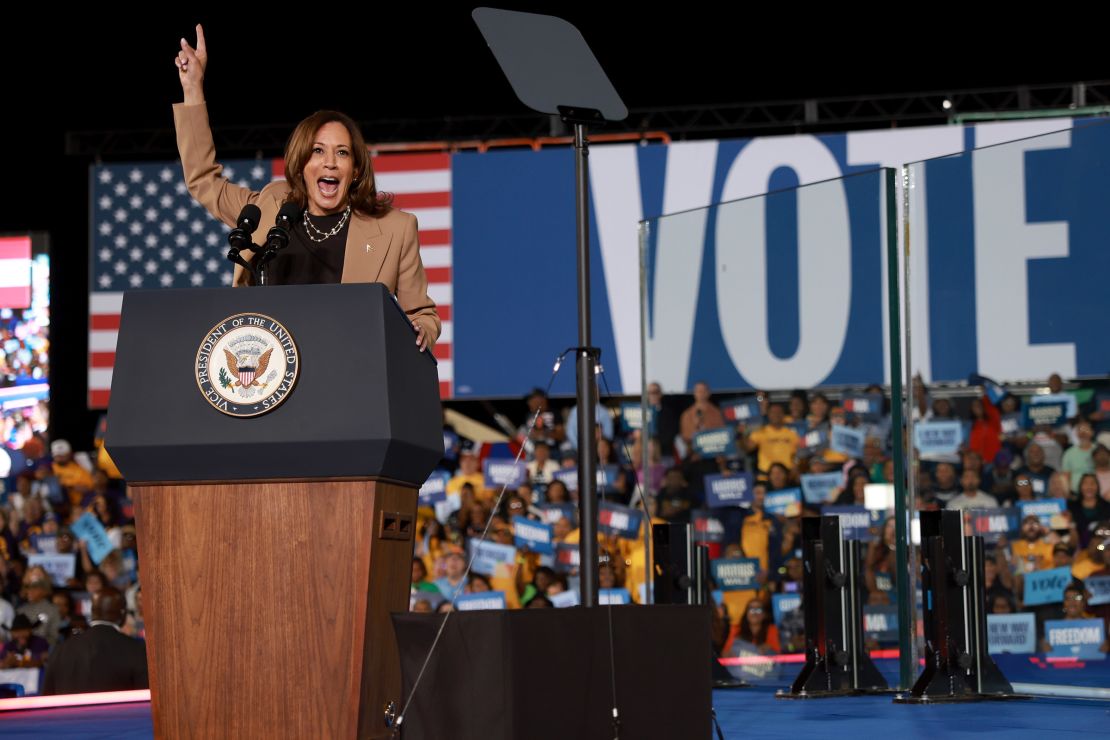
(528, 46)
(586, 360)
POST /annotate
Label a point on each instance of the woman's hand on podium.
(421, 336)
(190, 68)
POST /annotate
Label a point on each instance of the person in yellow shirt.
(75, 479)
(1094, 558)
(775, 442)
(470, 471)
(1031, 551)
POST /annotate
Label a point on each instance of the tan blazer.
(382, 250)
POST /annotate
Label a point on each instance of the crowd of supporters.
(50, 577)
(1004, 462)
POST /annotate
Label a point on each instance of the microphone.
(240, 236)
(278, 237)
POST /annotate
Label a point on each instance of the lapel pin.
(369, 248)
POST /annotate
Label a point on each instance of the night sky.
(113, 69)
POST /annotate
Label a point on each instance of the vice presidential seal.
(247, 365)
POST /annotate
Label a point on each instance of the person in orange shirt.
(756, 627)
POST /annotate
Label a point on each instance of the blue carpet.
(743, 713)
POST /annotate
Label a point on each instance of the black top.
(305, 261)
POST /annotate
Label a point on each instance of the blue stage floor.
(743, 713)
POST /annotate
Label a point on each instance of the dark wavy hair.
(363, 194)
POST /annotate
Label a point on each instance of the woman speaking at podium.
(348, 232)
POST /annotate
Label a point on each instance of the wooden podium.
(273, 547)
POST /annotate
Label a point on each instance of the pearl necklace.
(309, 227)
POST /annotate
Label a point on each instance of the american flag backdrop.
(147, 232)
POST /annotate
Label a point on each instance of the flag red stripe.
(102, 359)
(438, 274)
(435, 237)
(15, 248)
(17, 297)
(411, 162)
(422, 200)
(104, 321)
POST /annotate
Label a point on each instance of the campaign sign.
(44, 542)
(938, 437)
(531, 535)
(1043, 510)
(780, 502)
(60, 566)
(566, 557)
(1068, 400)
(619, 521)
(482, 600)
(607, 478)
(783, 604)
(736, 574)
(864, 406)
(434, 489)
(551, 513)
(1099, 586)
(568, 477)
(1013, 424)
(563, 599)
(1045, 414)
(855, 521)
(742, 411)
(89, 529)
(814, 440)
(818, 488)
(613, 596)
(728, 490)
(507, 473)
(881, 622)
(713, 442)
(1076, 638)
(1046, 586)
(993, 523)
(488, 554)
(1012, 633)
(708, 529)
(632, 416)
(846, 440)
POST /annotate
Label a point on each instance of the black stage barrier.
(547, 673)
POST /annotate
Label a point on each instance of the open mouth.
(329, 186)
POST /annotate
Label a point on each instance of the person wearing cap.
(1031, 551)
(38, 606)
(102, 658)
(75, 479)
(25, 649)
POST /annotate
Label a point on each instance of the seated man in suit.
(102, 658)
